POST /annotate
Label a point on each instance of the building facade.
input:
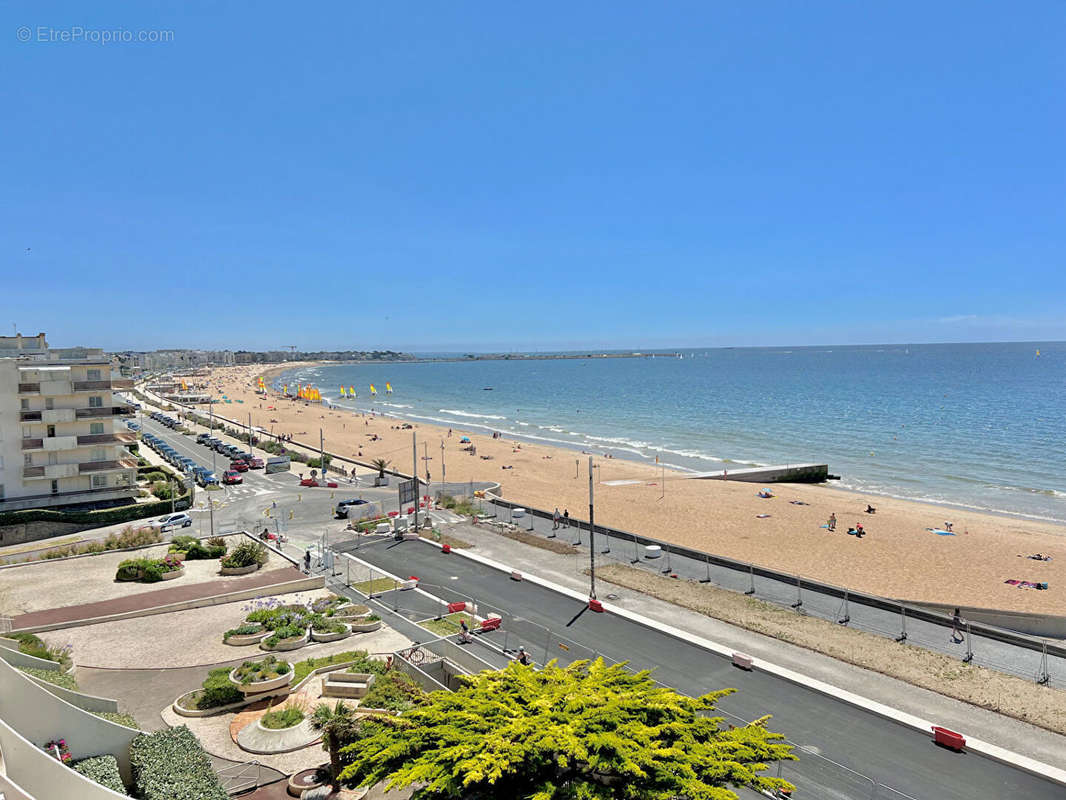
(63, 438)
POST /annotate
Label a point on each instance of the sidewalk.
(567, 570)
(156, 599)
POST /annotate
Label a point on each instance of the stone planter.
(255, 687)
(302, 781)
(238, 570)
(366, 627)
(173, 574)
(288, 644)
(351, 611)
(246, 639)
(255, 738)
(331, 637)
(381, 481)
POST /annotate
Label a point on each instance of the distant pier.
(789, 473)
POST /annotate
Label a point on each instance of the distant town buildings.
(63, 437)
(130, 362)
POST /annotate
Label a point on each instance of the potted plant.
(325, 629)
(380, 464)
(245, 634)
(372, 622)
(246, 557)
(287, 637)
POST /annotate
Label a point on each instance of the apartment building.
(63, 436)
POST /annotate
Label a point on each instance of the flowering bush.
(60, 746)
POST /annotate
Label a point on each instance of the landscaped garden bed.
(253, 677)
(150, 570)
(192, 549)
(287, 637)
(246, 558)
(246, 634)
(328, 630)
(170, 764)
(367, 625)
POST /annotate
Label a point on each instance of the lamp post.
(592, 547)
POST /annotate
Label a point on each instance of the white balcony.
(54, 415)
(58, 387)
(60, 442)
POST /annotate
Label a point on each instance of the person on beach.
(832, 523)
(555, 519)
(566, 518)
(947, 526)
(956, 627)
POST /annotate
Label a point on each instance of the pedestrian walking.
(523, 657)
(307, 561)
(566, 518)
(555, 519)
(832, 524)
(956, 626)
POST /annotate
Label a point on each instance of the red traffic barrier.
(742, 660)
(445, 548)
(453, 607)
(490, 624)
(948, 738)
(595, 605)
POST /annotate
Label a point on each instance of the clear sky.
(479, 175)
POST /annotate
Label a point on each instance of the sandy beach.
(898, 557)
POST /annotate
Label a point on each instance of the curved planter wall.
(174, 574)
(261, 686)
(239, 570)
(331, 637)
(243, 641)
(366, 627)
(287, 644)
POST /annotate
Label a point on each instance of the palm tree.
(380, 464)
(339, 727)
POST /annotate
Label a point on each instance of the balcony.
(32, 444)
(106, 411)
(50, 471)
(30, 416)
(107, 466)
(29, 388)
(107, 438)
(91, 386)
(54, 415)
(122, 383)
(32, 472)
(60, 442)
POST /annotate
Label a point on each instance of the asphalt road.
(852, 743)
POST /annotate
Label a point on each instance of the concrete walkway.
(155, 599)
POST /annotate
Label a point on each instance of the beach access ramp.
(789, 473)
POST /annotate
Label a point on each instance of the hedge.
(103, 770)
(107, 516)
(172, 765)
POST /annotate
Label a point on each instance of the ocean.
(980, 426)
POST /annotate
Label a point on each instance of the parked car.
(309, 482)
(179, 520)
(206, 477)
(345, 505)
(232, 476)
(239, 465)
(256, 463)
(202, 437)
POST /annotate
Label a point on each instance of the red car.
(309, 482)
(239, 466)
(232, 476)
(256, 463)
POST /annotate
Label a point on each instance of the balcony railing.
(30, 416)
(106, 411)
(104, 466)
(29, 388)
(89, 386)
(32, 444)
(122, 383)
(33, 472)
(107, 438)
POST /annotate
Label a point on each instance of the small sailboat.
(388, 388)
(1038, 352)
(373, 390)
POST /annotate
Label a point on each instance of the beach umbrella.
(465, 440)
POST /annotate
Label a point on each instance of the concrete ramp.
(789, 473)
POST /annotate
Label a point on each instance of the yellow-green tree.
(582, 732)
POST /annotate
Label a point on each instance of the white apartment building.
(62, 432)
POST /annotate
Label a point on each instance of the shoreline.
(899, 557)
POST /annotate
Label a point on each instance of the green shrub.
(130, 537)
(282, 718)
(33, 645)
(146, 570)
(246, 629)
(218, 690)
(152, 477)
(162, 490)
(53, 676)
(258, 671)
(172, 765)
(245, 554)
(109, 516)
(194, 549)
(118, 718)
(217, 541)
(103, 770)
(393, 691)
(181, 544)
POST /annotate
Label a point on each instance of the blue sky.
(497, 176)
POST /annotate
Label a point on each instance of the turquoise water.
(980, 426)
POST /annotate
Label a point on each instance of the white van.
(276, 464)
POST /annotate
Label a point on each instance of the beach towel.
(798, 503)
(761, 516)
(825, 526)
(1026, 584)
(940, 532)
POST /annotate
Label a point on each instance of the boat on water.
(486, 388)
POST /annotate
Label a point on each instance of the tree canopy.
(586, 731)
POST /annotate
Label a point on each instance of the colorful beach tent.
(465, 440)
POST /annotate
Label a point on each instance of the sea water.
(979, 426)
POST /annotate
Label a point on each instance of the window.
(99, 481)
(27, 432)
(1, 491)
(92, 374)
(53, 458)
(49, 403)
(25, 404)
(51, 431)
(96, 401)
(27, 460)
(96, 427)
(55, 487)
(98, 454)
